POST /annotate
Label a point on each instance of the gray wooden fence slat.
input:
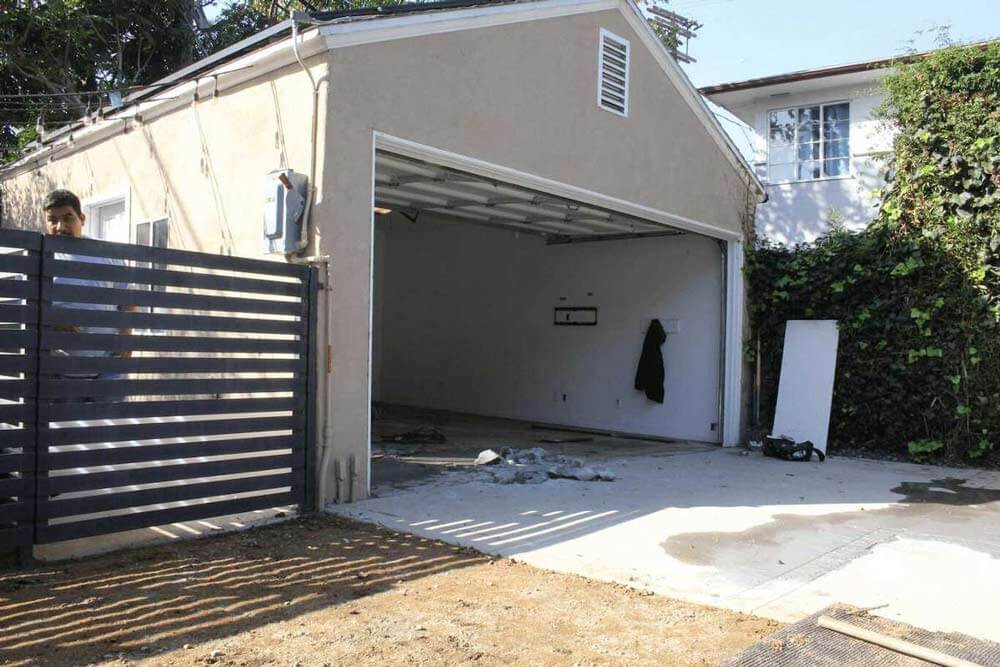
(26, 264)
(56, 292)
(60, 268)
(15, 389)
(96, 248)
(18, 313)
(167, 473)
(58, 315)
(17, 437)
(14, 512)
(20, 238)
(18, 338)
(107, 525)
(18, 289)
(10, 462)
(59, 340)
(52, 388)
(165, 494)
(168, 453)
(17, 363)
(173, 408)
(16, 486)
(57, 437)
(61, 365)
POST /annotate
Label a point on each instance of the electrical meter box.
(284, 205)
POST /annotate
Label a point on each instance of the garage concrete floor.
(709, 525)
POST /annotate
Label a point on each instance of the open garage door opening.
(493, 300)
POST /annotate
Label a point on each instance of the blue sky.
(742, 39)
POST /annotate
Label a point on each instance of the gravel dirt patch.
(322, 590)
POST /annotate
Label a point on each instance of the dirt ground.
(321, 590)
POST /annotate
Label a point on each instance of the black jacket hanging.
(649, 376)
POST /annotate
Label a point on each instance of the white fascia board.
(253, 65)
(411, 149)
(634, 16)
(354, 33)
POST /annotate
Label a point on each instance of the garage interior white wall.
(463, 321)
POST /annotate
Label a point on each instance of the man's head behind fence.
(63, 214)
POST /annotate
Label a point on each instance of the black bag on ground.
(789, 450)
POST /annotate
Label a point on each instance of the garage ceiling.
(412, 187)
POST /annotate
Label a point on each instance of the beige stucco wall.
(523, 96)
(201, 165)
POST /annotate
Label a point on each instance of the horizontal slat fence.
(159, 385)
(20, 265)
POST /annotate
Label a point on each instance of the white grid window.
(809, 143)
(613, 65)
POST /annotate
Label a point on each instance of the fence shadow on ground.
(152, 600)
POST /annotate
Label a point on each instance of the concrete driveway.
(712, 526)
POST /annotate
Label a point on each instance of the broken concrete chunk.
(488, 457)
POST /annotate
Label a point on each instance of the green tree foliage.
(917, 294)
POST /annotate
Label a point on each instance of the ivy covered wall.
(917, 293)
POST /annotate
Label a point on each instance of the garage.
(492, 299)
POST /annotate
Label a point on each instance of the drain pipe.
(312, 239)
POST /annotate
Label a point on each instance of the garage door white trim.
(444, 158)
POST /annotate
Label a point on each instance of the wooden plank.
(124, 251)
(18, 511)
(113, 319)
(55, 292)
(167, 473)
(52, 388)
(11, 462)
(12, 364)
(18, 338)
(107, 525)
(15, 389)
(140, 409)
(163, 453)
(17, 437)
(17, 412)
(18, 289)
(15, 486)
(19, 313)
(57, 437)
(20, 238)
(26, 264)
(60, 364)
(128, 275)
(165, 494)
(58, 340)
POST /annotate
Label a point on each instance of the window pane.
(809, 124)
(808, 170)
(142, 233)
(808, 151)
(160, 233)
(837, 148)
(781, 126)
(781, 172)
(781, 154)
(837, 167)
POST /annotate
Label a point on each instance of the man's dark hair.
(59, 198)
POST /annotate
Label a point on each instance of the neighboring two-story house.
(817, 145)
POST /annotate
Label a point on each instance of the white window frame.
(91, 204)
(600, 70)
(822, 143)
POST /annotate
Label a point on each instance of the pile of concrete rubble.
(534, 466)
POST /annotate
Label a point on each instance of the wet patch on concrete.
(943, 501)
(947, 491)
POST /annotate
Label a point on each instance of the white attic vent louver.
(612, 88)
